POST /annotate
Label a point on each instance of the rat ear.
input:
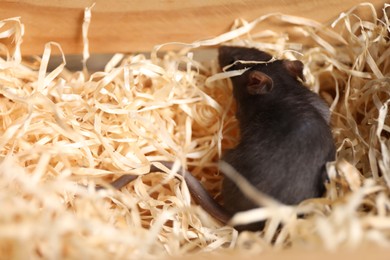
(259, 83)
(294, 68)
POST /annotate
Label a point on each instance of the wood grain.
(128, 26)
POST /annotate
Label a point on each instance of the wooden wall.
(138, 25)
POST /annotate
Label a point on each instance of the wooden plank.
(359, 253)
(126, 26)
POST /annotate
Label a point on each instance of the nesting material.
(63, 132)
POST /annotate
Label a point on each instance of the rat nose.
(223, 49)
(225, 56)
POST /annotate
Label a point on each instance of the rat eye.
(259, 83)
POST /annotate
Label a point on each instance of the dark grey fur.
(285, 137)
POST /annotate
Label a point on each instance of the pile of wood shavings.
(63, 132)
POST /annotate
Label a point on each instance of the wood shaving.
(63, 132)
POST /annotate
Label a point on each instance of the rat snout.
(225, 56)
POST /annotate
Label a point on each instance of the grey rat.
(285, 139)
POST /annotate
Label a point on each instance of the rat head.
(263, 74)
(228, 55)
